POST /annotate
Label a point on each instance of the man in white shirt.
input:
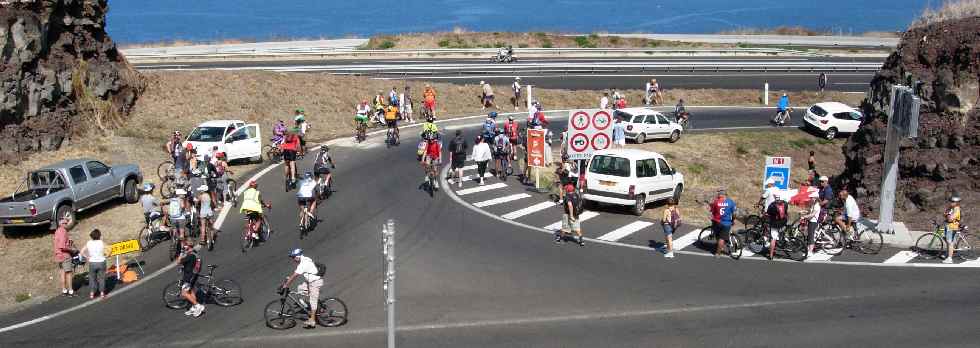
(482, 155)
(307, 268)
(304, 195)
(769, 194)
(604, 101)
(852, 213)
(517, 92)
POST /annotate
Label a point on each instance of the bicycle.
(391, 137)
(733, 247)
(934, 245)
(227, 192)
(225, 292)
(307, 221)
(251, 237)
(825, 237)
(272, 152)
(759, 238)
(360, 131)
(282, 314)
(152, 233)
(684, 120)
(782, 117)
(866, 241)
(166, 170)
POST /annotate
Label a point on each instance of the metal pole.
(388, 244)
(765, 94)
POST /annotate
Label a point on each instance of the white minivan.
(631, 177)
(233, 137)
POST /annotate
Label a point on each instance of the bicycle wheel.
(271, 153)
(757, 240)
(143, 236)
(734, 247)
(829, 240)
(706, 239)
(793, 248)
(265, 232)
(172, 298)
(226, 293)
(331, 312)
(246, 240)
(870, 241)
(164, 170)
(962, 249)
(930, 246)
(752, 221)
(279, 315)
(168, 189)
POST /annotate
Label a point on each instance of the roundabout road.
(467, 280)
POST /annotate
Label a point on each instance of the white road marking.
(902, 257)
(501, 200)
(686, 240)
(469, 177)
(581, 218)
(624, 231)
(529, 210)
(484, 188)
(748, 253)
(971, 263)
(469, 167)
(820, 256)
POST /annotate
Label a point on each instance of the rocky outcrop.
(943, 61)
(59, 73)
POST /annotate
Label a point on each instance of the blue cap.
(296, 252)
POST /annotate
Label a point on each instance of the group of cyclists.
(388, 109)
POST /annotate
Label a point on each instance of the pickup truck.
(67, 187)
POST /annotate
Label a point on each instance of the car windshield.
(609, 165)
(819, 111)
(206, 134)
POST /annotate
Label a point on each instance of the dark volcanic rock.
(59, 73)
(944, 58)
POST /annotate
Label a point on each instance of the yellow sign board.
(124, 247)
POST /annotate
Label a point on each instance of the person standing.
(393, 97)
(481, 155)
(811, 162)
(776, 213)
(722, 216)
(429, 99)
(953, 216)
(822, 81)
(205, 215)
(190, 267)
(670, 220)
(457, 155)
(487, 100)
(619, 133)
(406, 105)
(95, 252)
(517, 92)
(63, 251)
(812, 217)
(570, 218)
(768, 195)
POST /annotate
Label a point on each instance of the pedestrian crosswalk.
(512, 201)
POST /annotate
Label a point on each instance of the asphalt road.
(465, 280)
(782, 73)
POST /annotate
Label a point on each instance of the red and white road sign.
(589, 130)
(535, 147)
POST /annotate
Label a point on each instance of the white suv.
(642, 124)
(233, 137)
(832, 118)
(631, 177)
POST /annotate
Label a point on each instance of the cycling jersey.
(363, 109)
(251, 201)
(279, 130)
(291, 143)
(306, 188)
(783, 103)
(433, 150)
(391, 114)
(489, 126)
(429, 95)
(511, 128)
(430, 127)
(322, 159)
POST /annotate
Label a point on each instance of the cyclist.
(501, 154)
(391, 119)
(722, 215)
(278, 133)
(429, 99)
(953, 216)
(289, 150)
(176, 211)
(301, 128)
(252, 207)
(429, 128)
(149, 203)
(307, 268)
(323, 175)
(782, 110)
(431, 161)
(190, 266)
(512, 130)
(304, 195)
(516, 87)
(490, 126)
(680, 112)
(777, 216)
(852, 213)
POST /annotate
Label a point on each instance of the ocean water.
(134, 21)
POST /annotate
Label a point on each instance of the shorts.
(811, 232)
(503, 155)
(361, 118)
(187, 282)
(721, 232)
(304, 201)
(289, 155)
(668, 229)
(323, 170)
(392, 123)
(568, 225)
(430, 104)
(178, 223)
(253, 215)
(66, 265)
(620, 141)
(458, 161)
(950, 234)
(774, 232)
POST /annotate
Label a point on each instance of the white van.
(233, 137)
(631, 177)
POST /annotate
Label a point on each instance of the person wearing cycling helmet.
(149, 203)
(304, 194)
(501, 154)
(314, 281)
(430, 129)
(301, 128)
(320, 169)
(431, 161)
(511, 129)
(279, 133)
(490, 126)
(252, 207)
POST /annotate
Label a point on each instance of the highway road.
(792, 73)
(467, 280)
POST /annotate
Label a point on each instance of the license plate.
(15, 221)
(607, 183)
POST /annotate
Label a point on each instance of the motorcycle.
(503, 58)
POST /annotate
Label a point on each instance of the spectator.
(487, 99)
(517, 92)
(481, 155)
(95, 252)
(777, 213)
(406, 105)
(811, 162)
(457, 155)
(619, 133)
(393, 97)
(671, 220)
(64, 249)
(604, 101)
(620, 104)
(812, 217)
(768, 195)
(722, 217)
(570, 218)
(429, 98)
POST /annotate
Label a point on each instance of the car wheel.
(640, 205)
(676, 135)
(256, 159)
(831, 133)
(129, 192)
(641, 138)
(677, 193)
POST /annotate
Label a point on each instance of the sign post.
(388, 283)
(122, 248)
(903, 122)
(589, 130)
(535, 153)
(778, 169)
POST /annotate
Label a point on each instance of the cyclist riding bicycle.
(304, 195)
(302, 127)
(362, 112)
(680, 111)
(782, 109)
(252, 207)
(149, 203)
(391, 119)
(279, 133)
(429, 128)
(851, 214)
(323, 175)
(289, 150)
(314, 281)
(431, 160)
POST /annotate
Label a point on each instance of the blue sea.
(135, 21)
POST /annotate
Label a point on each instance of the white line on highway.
(581, 218)
(529, 210)
(531, 74)
(902, 257)
(501, 200)
(624, 231)
(484, 188)
(686, 240)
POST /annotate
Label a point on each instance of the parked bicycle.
(826, 238)
(708, 241)
(934, 245)
(759, 237)
(283, 313)
(225, 292)
(227, 193)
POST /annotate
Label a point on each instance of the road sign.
(535, 147)
(778, 168)
(124, 247)
(589, 130)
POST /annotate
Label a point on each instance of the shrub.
(444, 43)
(584, 42)
(21, 297)
(546, 44)
(696, 168)
(387, 44)
(523, 45)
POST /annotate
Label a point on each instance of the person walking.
(811, 162)
(619, 133)
(64, 249)
(570, 219)
(516, 86)
(776, 213)
(722, 216)
(481, 155)
(95, 252)
(670, 221)
(457, 155)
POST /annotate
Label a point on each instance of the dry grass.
(781, 30)
(181, 100)
(950, 10)
(735, 161)
(463, 39)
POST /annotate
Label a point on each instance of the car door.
(663, 126)
(85, 195)
(851, 122)
(665, 182)
(244, 143)
(102, 181)
(646, 174)
(253, 145)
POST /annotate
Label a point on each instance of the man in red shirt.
(62, 256)
(289, 148)
(432, 160)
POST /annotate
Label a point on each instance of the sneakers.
(669, 255)
(558, 238)
(481, 181)
(198, 311)
(581, 242)
(948, 260)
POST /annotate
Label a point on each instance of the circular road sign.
(601, 120)
(600, 141)
(579, 142)
(580, 120)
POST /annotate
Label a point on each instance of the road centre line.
(484, 188)
(624, 231)
(501, 200)
(529, 210)
(902, 257)
(587, 215)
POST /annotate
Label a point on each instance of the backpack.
(781, 211)
(321, 269)
(393, 100)
(500, 145)
(458, 147)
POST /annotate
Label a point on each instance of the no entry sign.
(589, 130)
